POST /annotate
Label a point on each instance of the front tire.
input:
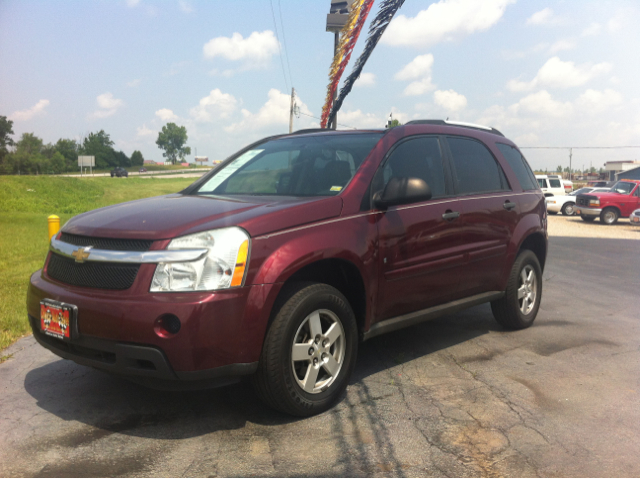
(609, 216)
(569, 209)
(309, 352)
(519, 306)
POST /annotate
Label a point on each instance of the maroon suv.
(278, 262)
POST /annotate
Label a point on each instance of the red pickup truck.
(623, 199)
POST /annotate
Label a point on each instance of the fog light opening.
(167, 325)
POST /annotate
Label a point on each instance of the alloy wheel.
(527, 289)
(318, 351)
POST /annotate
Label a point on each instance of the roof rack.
(455, 123)
(309, 130)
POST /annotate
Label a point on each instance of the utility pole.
(293, 92)
(336, 42)
(336, 19)
(570, 170)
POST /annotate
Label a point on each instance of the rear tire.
(309, 352)
(519, 306)
(569, 209)
(609, 216)
(588, 219)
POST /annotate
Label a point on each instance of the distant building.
(614, 168)
(632, 174)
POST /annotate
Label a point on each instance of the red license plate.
(57, 319)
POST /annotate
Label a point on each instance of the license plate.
(57, 319)
(636, 219)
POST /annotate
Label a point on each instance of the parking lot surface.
(456, 396)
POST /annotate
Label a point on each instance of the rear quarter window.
(520, 167)
(476, 170)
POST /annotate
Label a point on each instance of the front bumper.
(221, 333)
(634, 219)
(581, 210)
(553, 207)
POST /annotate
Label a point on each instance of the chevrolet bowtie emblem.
(81, 254)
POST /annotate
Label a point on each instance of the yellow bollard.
(54, 225)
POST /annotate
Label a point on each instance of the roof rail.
(310, 130)
(455, 123)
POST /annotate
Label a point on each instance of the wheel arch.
(537, 243)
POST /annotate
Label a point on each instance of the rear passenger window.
(415, 158)
(542, 182)
(519, 165)
(476, 169)
(555, 183)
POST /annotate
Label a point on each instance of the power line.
(339, 124)
(286, 48)
(275, 26)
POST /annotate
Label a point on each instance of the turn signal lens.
(241, 263)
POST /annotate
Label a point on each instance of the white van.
(551, 185)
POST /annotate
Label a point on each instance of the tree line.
(30, 155)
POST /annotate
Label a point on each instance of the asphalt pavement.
(456, 396)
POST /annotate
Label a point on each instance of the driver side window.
(416, 158)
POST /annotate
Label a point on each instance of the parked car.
(119, 172)
(566, 204)
(142, 170)
(551, 185)
(634, 218)
(568, 186)
(278, 262)
(621, 201)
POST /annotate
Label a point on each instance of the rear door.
(489, 212)
(420, 245)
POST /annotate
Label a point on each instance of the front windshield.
(580, 191)
(318, 165)
(623, 187)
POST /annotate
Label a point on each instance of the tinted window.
(476, 169)
(542, 182)
(555, 183)
(415, 158)
(519, 166)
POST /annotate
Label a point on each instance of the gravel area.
(574, 226)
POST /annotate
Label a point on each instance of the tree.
(559, 169)
(69, 150)
(100, 145)
(172, 140)
(137, 159)
(394, 123)
(6, 129)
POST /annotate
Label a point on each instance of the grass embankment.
(25, 204)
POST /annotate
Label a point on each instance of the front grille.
(583, 200)
(107, 243)
(92, 274)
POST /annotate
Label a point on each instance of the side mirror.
(402, 191)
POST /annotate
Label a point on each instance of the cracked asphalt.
(455, 396)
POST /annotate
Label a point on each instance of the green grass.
(23, 222)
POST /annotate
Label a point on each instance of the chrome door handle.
(450, 215)
(509, 205)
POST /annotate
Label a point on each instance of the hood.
(169, 216)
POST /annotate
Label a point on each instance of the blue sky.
(561, 73)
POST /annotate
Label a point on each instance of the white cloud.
(564, 44)
(446, 20)
(35, 110)
(185, 6)
(273, 115)
(365, 79)
(134, 83)
(543, 17)
(594, 101)
(541, 103)
(107, 105)
(449, 100)
(419, 69)
(144, 131)
(558, 74)
(214, 106)
(255, 51)
(357, 119)
(166, 115)
(592, 29)
(132, 3)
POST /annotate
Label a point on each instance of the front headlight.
(222, 267)
(594, 202)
